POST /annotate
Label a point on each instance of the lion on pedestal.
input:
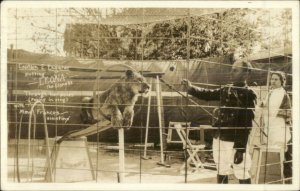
(113, 107)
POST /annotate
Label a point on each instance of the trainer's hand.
(186, 83)
(238, 157)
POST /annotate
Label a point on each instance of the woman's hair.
(281, 76)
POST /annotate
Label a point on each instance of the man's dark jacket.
(237, 103)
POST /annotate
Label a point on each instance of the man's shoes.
(245, 181)
(222, 179)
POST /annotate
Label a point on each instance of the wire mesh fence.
(58, 57)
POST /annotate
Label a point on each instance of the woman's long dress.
(278, 132)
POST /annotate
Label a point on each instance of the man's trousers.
(223, 153)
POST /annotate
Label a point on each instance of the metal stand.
(161, 121)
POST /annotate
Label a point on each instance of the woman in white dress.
(277, 118)
(277, 112)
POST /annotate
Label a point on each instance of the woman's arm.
(286, 109)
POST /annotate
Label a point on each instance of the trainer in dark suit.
(236, 112)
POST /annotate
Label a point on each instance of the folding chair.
(192, 150)
(174, 138)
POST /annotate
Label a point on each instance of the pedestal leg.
(121, 155)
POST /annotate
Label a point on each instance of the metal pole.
(147, 122)
(159, 119)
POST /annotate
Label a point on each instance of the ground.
(137, 169)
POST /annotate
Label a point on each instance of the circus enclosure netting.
(96, 95)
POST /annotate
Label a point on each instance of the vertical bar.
(121, 155)
(159, 118)
(15, 86)
(147, 122)
(56, 100)
(97, 88)
(188, 48)
(33, 146)
(268, 112)
(29, 150)
(142, 60)
(281, 159)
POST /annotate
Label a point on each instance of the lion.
(114, 106)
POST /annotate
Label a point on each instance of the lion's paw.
(117, 123)
(127, 123)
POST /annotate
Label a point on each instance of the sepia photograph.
(149, 95)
